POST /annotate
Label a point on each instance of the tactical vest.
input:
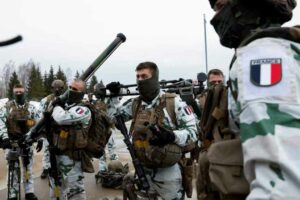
(153, 156)
(19, 120)
(68, 139)
(100, 105)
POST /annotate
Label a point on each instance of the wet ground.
(94, 191)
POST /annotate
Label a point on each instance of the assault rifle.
(139, 170)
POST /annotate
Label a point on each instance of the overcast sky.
(72, 33)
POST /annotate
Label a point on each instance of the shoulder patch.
(188, 110)
(79, 111)
(265, 72)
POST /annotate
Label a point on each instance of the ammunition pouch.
(161, 157)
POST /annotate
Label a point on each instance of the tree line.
(37, 85)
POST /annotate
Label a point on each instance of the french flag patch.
(265, 72)
(188, 110)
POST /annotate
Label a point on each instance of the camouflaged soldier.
(264, 96)
(57, 88)
(158, 149)
(70, 124)
(102, 102)
(16, 118)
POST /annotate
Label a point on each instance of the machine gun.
(188, 91)
(142, 180)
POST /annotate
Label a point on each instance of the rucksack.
(99, 131)
(221, 160)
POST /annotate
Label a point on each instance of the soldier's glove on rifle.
(58, 102)
(6, 144)
(114, 87)
(162, 136)
(39, 145)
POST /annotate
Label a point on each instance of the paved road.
(94, 191)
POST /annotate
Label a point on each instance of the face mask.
(227, 27)
(74, 97)
(100, 93)
(20, 99)
(57, 91)
(149, 88)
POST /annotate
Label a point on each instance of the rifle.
(35, 131)
(139, 170)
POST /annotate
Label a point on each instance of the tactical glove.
(6, 144)
(162, 136)
(39, 145)
(114, 87)
(58, 102)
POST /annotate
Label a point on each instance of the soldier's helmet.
(57, 83)
(279, 11)
(99, 90)
(113, 178)
(57, 87)
(115, 166)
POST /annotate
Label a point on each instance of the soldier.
(160, 122)
(70, 119)
(57, 88)
(215, 76)
(101, 102)
(264, 95)
(17, 117)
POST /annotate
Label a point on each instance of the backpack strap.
(168, 100)
(135, 107)
(211, 111)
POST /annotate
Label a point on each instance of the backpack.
(99, 131)
(222, 150)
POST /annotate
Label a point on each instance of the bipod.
(14, 169)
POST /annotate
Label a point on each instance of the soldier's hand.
(114, 87)
(162, 136)
(6, 144)
(39, 145)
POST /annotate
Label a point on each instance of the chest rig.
(100, 105)
(152, 156)
(19, 119)
(69, 138)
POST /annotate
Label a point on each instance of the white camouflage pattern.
(167, 182)
(269, 120)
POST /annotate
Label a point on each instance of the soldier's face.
(18, 91)
(143, 74)
(214, 79)
(76, 86)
